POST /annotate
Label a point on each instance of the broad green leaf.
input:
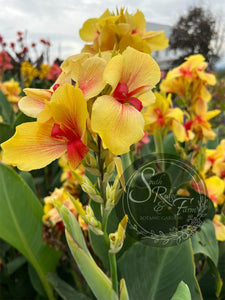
(6, 132)
(6, 110)
(21, 224)
(22, 118)
(205, 242)
(99, 283)
(207, 281)
(168, 144)
(154, 273)
(182, 292)
(15, 264)
(66, 291)
(35, 281)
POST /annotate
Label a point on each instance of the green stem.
(159, 146)
(112, 256)
(104, 227)
(113, 271)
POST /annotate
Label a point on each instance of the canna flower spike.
(60, 128)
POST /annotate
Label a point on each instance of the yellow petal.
(179, 131)
(135, 41)
(156, 40)
(91, 77)
(69, 107)
(205, 94)
(32, 147)
(200, 107)
(118, 125)
(176, 114)
(215, 186)
(219, 228)
(144, 70)
(73, 65)
(89, 31)
(211, 114)
(34, 101)
(147, 98)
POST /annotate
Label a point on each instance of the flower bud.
(117, 238)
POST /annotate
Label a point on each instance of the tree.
(194, 33)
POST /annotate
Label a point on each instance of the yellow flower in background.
(118, 31)
(215, 189)
(161, 114)
(51, 214)
(189, 80)
(28, 72)
(44, 70)
(117, 117)
(219, 228)
(199, 125)
(215, 160)
(11, 89)
(60, 128)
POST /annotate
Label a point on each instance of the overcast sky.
(60, 20)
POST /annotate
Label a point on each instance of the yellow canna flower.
(118, 31)
(219, 228)
(216, 156)
(189, 80)
(60, 128)
(215, 189)
(28, 72)
(117, 117)
(161, 114)
(44, 70)
(11, 89)
(199, 125)
(50, 212)
(86, 71)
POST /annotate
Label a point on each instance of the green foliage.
(182, 292)
(25, 233)
(64, 289)
(154, 273)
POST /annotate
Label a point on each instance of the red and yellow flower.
(60, 128)
(162, 115)
(189, 80)
(117, 117)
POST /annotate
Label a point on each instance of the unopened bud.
(117, 238)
